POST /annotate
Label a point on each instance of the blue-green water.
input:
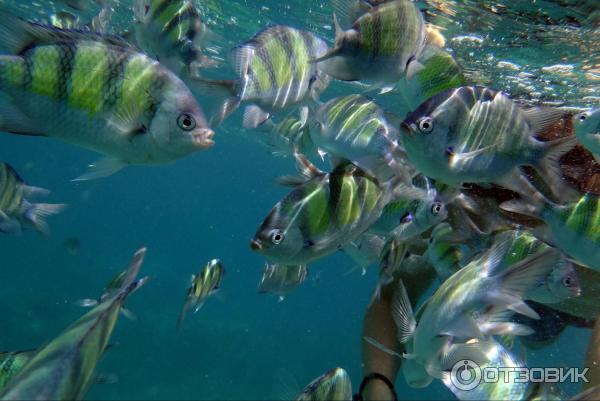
(243, 345)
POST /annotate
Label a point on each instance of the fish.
(322, 213)
(444, 253)
(97, 92)
(560, 284)
(16, 204)
(587, 130)
(63, 369)
(355, 128)
(473, 304)
(393, 254)
(291, 134)
(574, 227)
(12, 363)
(365, 250)
(477, 134)
(414, 211)
(72, 245)
(440, 72)
(274, 73)
(172, 31)
(203, 285)
(381, 47)
(64, 20)
(281, 280)
(335, 385)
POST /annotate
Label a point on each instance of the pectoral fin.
(102, 168)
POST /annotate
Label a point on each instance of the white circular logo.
(465, 375)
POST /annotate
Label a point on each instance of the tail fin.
(134, 268)
(38, 212)
(221, 92)
(549, 167)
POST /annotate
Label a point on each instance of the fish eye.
(425, 125)
(407, 218)
(567, 282)
(277, 237)
(436, 208)
(582, 117)
(186, 122)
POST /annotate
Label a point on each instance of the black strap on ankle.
(373, 376)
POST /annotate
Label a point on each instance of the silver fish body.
(334, 385)
(587, 130)
(281, 280)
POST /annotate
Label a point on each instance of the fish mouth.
(202, 138)
(255, 245)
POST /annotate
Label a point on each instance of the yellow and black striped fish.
(202, 286)
(16, 208)
(96, 91)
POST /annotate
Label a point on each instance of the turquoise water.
(243, 345)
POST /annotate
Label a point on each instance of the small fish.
(96, 91)
(365, 250)
(382, 45)
(355, 128)
(64, 20)
(172, 31)
(415, 212)
(12, 363)
(440, 72)
(16, 207)
(474, 303)
(281, 280)
(203, 285)
(274, 73)
(323, 213)
(479, 135)
(393, 255)
(574, 227)
(587, 131)
(443, 252)
(63, 369)
(72, 245)
(287, 136)
(334, 385)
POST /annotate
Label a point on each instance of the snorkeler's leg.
(379, 325)
(592, 358)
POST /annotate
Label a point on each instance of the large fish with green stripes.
(203, 285)
(323, 213)
(334, 385)
(574, 227)
(477, 134)
(97, 92)
(63, 369)
(381, 47)
(16, 203)
(587, 130)
(172, 31)
(12, 363)
(275, 73)
(355, 128)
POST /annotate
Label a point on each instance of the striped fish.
(97, 92)
(444, 254)
(321, 215)
(334, 385)
(281, 280)
(440, 72)
(355, 128)
(203, 285)
(574, 227)
(480, 135)
(63, 369)
(172, 31)
(381, 47)
(12, 363)
(275, 73)
(16, 207)
(587, 130)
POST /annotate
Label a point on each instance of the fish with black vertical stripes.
(98, 92)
